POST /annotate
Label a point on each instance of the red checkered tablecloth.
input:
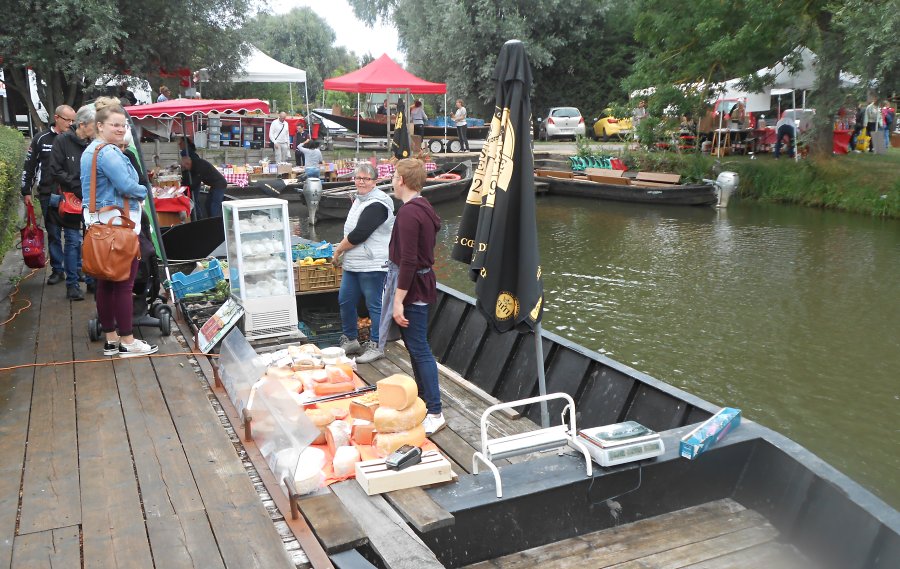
(239, 180)
(344, 171)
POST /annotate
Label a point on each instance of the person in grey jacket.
(363, 253)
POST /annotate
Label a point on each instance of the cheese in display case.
(257, 235)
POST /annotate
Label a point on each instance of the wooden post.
(292, 496)
(247, 418)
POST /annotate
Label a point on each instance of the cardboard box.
(284, 168)
(375, 477)
(709, 432)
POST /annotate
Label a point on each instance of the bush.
(12, 158)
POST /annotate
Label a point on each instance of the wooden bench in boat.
(605, 172)
(554, 174)
(657, 179)
(546, 438)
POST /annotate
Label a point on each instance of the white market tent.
(260, 68)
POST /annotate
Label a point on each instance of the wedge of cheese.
(386, 443)
(364, 407)
(397, 391)
(323, 389)
(389, 420)
(363, 432)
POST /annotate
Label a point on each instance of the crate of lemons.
(316, 275)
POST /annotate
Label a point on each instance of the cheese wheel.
(337, 435)
(309, 349)
(389, 420)
(321, 419)
(397, 391)
(386, 443)
(322, 389)
(345, 459)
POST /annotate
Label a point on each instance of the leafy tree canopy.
(71, 43)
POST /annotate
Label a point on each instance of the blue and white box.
(710, 432)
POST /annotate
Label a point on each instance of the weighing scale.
(611, 445)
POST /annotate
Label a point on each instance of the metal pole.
(542, 380)
(291, 91)
(446, 118)
(794, 124)
(357, 125)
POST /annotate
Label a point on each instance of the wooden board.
(48, 549)
(19, 339)
(335, 527)
(50, 495)
(617, 181)
(417, 508)
(554, 174)
(376, 478)
(389, 535)
(607, 173)
(660, 177)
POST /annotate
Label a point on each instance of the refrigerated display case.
(258, 239)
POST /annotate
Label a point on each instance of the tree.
(70, 44)
(457, 41)
(706, 41)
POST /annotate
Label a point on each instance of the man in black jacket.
(65, 171)
(35, 172)
(196, 171)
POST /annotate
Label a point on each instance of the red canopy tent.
(188, 107)
(383, 75)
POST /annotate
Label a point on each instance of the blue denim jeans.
(353, 285)
(214, 203)
(415, 336)
(72, 255)
(54, 237)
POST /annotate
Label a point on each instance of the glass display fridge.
(260, 267)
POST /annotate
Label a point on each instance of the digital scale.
(611, 445)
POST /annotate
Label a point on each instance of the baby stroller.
(150, 308)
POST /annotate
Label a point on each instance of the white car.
(561, 122)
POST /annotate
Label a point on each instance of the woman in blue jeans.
(363, 253)
(411, 282)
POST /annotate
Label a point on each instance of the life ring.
(448, 176)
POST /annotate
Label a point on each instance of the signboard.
(221, 322)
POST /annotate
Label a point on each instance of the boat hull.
(379, 129)
(688, 194)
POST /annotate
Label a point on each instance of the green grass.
(857, 183)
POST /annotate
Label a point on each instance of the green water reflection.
(790, 314)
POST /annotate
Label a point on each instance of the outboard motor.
(312, 192)
(726, 184)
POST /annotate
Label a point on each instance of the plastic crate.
(322, 340)
(320, 321)
(322, 250)
(198, 281)
(317, 277)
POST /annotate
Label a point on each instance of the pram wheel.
(165, 322)
(94, 330)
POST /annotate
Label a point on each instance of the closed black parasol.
(498, 232)
(400, 139)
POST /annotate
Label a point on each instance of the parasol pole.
(291, 91)
(357, 124)
(794, 124)
(542, 380)
(446, 117)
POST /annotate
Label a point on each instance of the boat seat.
(555, 174)
(604, 172)
(658, 177)
(611, 180)
(547, 438)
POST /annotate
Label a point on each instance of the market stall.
(182, 117)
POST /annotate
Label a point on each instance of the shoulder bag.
(69, 204)
(110, 248)
(32, 241)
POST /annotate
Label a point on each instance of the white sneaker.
(350, 347)
(110, 348)
(136, 348)
(433, 423)
(372, 352)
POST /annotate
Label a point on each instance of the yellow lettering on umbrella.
(507, 306)
(536, 311)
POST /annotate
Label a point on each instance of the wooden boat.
(624, 189)
(368, 127)
(335, 202)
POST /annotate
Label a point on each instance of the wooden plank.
(613, 181)
(771, 555)
(50, 497)
(58, 547)
(19, 338)
(543, 173)
(112, 518)
(703, 550)
(661, 177)
(244, 532)
(388, 534)
(310, 547)
(608, 173)
(417, 508)
(335, 527)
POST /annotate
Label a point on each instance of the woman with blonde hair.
(116, 181)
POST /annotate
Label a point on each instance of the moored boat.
(627, 190)
(368, 127)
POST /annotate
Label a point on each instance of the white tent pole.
(794, 124)
(291, 91)
(357, 125)
(306, 110)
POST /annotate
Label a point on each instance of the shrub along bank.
(12, 157)
(857, 183)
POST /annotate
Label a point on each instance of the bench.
(604, 172)
(656, 179)
(548, 438)
(611, 180)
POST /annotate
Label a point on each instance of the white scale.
(620, 443)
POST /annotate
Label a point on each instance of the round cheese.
(397, 391)
(386, 443)
(389, 420)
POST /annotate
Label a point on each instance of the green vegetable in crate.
(219, 294)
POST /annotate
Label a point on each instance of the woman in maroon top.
(412, 284)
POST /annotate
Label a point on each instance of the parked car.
(609, 126)
(561, 122)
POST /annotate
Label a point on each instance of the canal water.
(790, 314)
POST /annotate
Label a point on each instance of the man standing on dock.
(279, 134)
